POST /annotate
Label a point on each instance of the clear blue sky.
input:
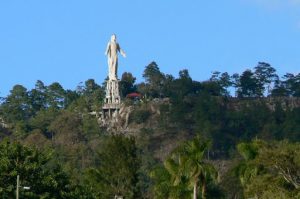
(64, 40)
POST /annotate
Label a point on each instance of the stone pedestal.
(112, 99)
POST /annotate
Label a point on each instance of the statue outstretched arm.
(122, 53)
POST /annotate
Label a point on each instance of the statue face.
(113, 37)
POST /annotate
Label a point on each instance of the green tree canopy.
(117, 171)
(32, 167)
(270, 170)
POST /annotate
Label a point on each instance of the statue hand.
(123, 54)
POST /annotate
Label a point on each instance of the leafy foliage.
(270, 169)
(117, 172)
(184, 172)
(32, 166)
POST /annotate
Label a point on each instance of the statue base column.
(112, 99)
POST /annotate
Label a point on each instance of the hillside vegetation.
(232, 136)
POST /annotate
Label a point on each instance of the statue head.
(113, 38)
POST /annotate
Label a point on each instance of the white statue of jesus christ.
(112, 50)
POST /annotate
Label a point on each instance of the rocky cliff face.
(3, 124)
(124, 122)
(284, 102)
(144, 121)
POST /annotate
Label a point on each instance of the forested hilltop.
(232, 136)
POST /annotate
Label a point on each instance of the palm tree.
(199, 170)
(247, 169)
(170, 180)
(175, 165)
(184, 171)
(162, 186)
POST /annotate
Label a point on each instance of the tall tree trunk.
(195, 190)
(203, 189)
